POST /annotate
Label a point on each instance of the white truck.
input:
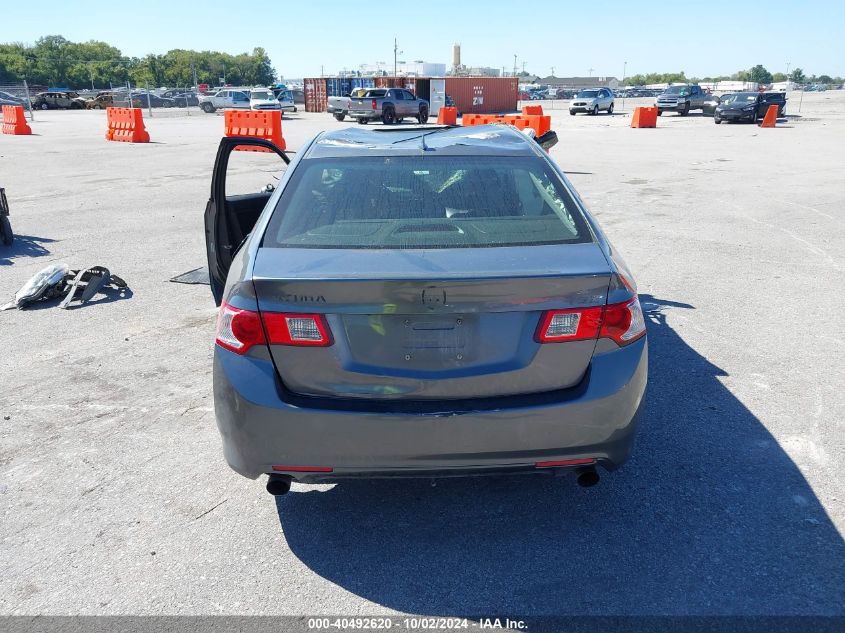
(226, 98)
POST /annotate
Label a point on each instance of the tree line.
(57, 62)
(757, 74)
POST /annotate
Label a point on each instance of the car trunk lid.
(431, 324)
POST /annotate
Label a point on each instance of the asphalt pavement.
(115, 499)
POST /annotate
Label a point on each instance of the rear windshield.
(401, 202)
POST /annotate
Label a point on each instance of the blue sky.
(699, 37)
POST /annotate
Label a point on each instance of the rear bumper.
(260, 430)
(370, 115)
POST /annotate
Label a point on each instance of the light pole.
(514, 65)
(591, 71)
(624, 73)
(788, 64)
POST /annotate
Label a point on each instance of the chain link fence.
(16, 94)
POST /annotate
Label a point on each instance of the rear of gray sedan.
(423, 303)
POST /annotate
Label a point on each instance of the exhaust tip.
(278, 485)
(588, 477)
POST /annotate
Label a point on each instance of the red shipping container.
(315, 95)
(483, 95)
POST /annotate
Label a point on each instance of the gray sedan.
(419, 302)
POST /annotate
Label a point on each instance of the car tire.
(595, 110)
(207, 108)
(44, 106)
(755, 117)
(388, 116)
(422, 117)
(610, 109)
(6, 235)
(685, 111)
(362, 121)
(659, 112)
(717, 120)
(572, 112)
(339, 117)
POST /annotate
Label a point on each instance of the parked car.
(58, 101)
(286, 101)
(263, 99)
(711, 102)
(681, 98)
(592, 101)
(773, 98)
(185, 99)
(175, 92)
(7, 98)
(745, 106)
(387, 312)
(142, 100)
(225, 98)
(101, 101)
(390, 105)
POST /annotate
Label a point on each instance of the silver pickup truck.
(390, 105)
(681, 98)
(338, 107)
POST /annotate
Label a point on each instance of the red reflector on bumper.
(304, 469)
(566, 462)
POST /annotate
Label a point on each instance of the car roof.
(480, 140)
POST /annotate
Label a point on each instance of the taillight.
(238, 330)
(297, 329)
(622, 322)
(577, 324)
(374, 104)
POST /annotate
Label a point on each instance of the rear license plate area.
(435, 334)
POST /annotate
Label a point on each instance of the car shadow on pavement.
(24, 246)
(710, 516)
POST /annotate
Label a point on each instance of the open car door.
(232, 212)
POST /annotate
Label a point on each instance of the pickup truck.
(225, 98)
(681, 98)
(391, 105)
(338, 107)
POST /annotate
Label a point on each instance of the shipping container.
(315, 94)
(338, 86)
(483, 95)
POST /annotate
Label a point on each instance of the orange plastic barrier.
(14, 120)
(447, 116)
(532, 109)
(257, 124)
(771, 117)
(644, 117)
(126, 125)
(540, 123)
